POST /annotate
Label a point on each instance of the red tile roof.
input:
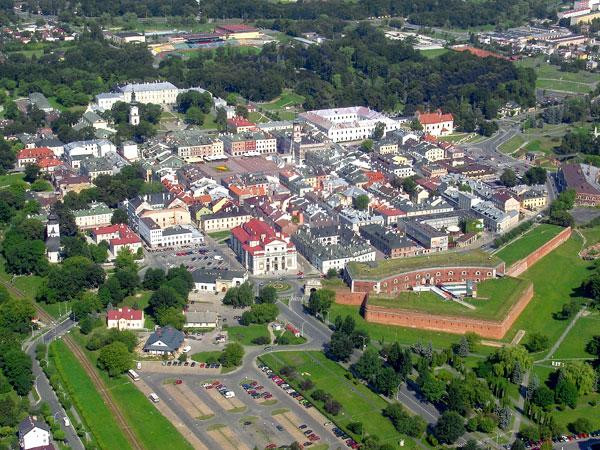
(45, 163)
(124, 313)
(236, 28)
(240, 122)
(434, 117)
(37, 153)
(255, 234)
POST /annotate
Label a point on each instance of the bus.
(133, 374)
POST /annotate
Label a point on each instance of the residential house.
(34, 434)
(225, 219)
(164, 341)
(125, 318)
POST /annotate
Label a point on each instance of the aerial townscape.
(289, 224)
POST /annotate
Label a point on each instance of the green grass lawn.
(389, 333)
(494, 300)
(556, 279)
(512, 144)
(358, 402)
(220, 235)
(574, 344)
(88, 401)
(288, 98)
(393, 266)
(152, 428)
(206, 356)
(246, 334)
(209, 122)
(433, 53)
(12, 178)
(584, 409)
(530, 241)
(563, 85)
(293, 340)
(333, 283)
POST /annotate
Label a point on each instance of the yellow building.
(534, 200)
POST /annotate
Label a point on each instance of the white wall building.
(348, 124)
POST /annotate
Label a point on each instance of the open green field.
(393, 266)
(288, 98)
(206, 356)
(584, 409)
(530, 241)
(494, 300)
(556, 280)
(512, 145)
(293, 340)
(246, 334)
(87, 400)
(574, 344)
(552, 78)
(563, 86)
(434, 52)
(12, 178)
(358, 402)
(152, 428)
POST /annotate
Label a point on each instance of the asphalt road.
(43, 388)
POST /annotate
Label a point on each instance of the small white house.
(33, 434)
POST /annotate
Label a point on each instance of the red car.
(270, 446)
(178, 381)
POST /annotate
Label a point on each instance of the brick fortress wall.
(458, 325)
(523, 264)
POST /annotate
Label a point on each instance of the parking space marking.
(223, 402)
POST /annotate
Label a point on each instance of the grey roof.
(171, 337)
(140, 87)
(210, 276)
(49, 142)
(92, 117)
(201, 317)
(29, 424)
(39, 100)
(151, 224)
(177, 229)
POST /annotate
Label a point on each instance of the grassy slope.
(89, 403)
(154, 430)
(574, 344)
(494, 299)
(553, 286)
(527, 243)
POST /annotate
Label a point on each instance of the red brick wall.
(449, 324)
(522, 265)
(345, 297)
(406, 281)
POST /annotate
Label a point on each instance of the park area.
(494, 299)
(526, 244)
(551, 78)
(359, 403)
(246, 334)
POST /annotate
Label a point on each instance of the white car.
(186, 349)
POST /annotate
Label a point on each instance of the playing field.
(550, 77)
(530, 241)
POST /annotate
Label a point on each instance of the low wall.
(523, 264)
(449, 324)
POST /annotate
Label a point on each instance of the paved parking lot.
(240, 421)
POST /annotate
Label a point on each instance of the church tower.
(52, 227)
(134, 116)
